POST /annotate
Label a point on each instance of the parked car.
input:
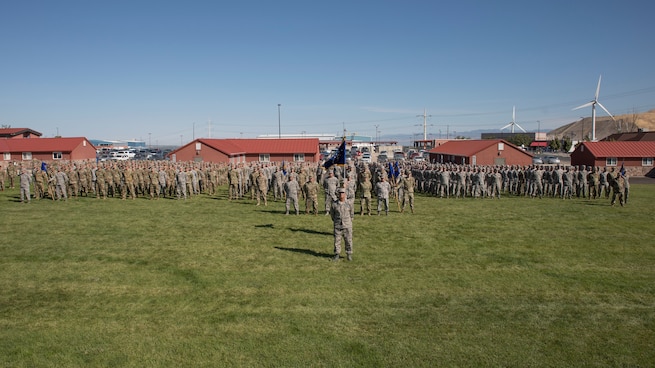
(366, 157)
(536, 160)
(382, 158)
(551, 160)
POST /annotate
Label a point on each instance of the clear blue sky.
(160, 70)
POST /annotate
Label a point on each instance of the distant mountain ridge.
(605, 126)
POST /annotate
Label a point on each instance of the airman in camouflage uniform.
(11, 174)
(618, 187)
(39, 183)
(382, 189)
(408, 183)
(365, 188)
(340, 211)
(311, 196)
(330, 185)
(291, 189)
(262, 187)
(101, 182)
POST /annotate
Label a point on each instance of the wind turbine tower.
(593, 104)
(513, 123)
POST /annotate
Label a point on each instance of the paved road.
(641, 180)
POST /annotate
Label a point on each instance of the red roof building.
(248, 150)
(47, 149)
(18, 133)
(632, 136)
(635, 156)
(480, 152)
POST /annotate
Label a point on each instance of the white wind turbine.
(593, 104)
(513, 123)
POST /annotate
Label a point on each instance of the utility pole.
(425, 123)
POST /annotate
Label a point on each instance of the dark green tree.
(566, 144)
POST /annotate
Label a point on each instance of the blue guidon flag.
(392, 173)
(339, 158)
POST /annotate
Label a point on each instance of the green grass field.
(513, 282)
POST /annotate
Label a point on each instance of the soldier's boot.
(350, 257)
(335, 258)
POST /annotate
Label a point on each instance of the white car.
(366, 157)
(553, 160)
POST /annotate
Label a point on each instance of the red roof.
(42, 144)
(620, 149)
(9, 132)
(255, 146)
(539, 144)
(631, 136)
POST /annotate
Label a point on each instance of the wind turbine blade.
(598, 88)
(513, 114)
(520, 128)
(506, 126)
(608, 113)
(585, 105)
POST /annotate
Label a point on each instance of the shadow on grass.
(270, 226)
(310, 231)
(307, 251)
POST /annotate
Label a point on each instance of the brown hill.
(605, 126)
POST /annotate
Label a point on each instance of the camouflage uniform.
(408, 190)
(311, 196)
(262, 187)
(343, 226)
(365, 188)
(291, 189)
(382, 190)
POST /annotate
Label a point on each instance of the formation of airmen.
(295, 181)
(541, 181)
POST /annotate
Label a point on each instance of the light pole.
(279, 124)
(581, 128)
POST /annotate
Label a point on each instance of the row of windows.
(266, 157)
(613, 161)
(26, 156)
